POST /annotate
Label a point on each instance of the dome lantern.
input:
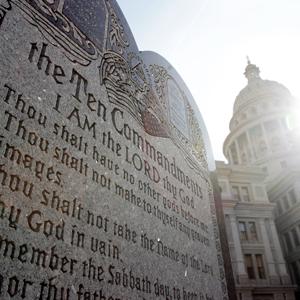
(251, 71)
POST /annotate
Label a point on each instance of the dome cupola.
(251, 71)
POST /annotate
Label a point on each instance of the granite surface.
(104, 163)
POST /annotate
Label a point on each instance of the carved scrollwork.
(5, 6)
(196, 138)
(45, 8)
(117, 36)
(160, 78)
(127, 87)
(115, 74)
(154, 116)
(194, 141)
(48, 17)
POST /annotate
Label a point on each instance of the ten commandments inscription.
(104, 176)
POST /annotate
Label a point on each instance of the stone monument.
(104, 163)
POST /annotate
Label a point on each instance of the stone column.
(250, 147)
(268, 251)
(230, 156)
(280, 259)
(241, 270)
(265, 136)
(238, 151)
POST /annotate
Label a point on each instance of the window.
(259, 191)
(286, 202)
(295, 237)
(243, 231)
(283, 164)
(223, 186)
(249, 266)
(253, 232)
(271, 126)
(295, 272)
(256, 135)
(288, 241)
(236, 193)
(253, 111)
(248, 231)
(279, 206)
(292, 196)
(260, 266)
(243, 145)
(240, 193)
(284, 124)
(257, 271)
(245, 194)
(275, 143)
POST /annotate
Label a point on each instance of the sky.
(207, 42)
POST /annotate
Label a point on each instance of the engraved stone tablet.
(105, 189)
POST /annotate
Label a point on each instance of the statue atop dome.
(251, 71)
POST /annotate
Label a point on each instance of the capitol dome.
(259, 127)
(259, 88)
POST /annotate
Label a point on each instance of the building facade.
(261, 190)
